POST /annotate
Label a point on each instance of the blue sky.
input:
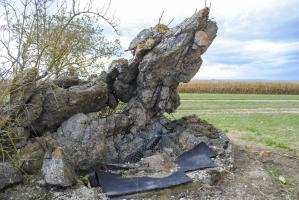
(257, 39)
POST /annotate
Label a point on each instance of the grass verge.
(272, 129)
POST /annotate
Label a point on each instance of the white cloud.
(241, 24)
(220, 71)
(251, 59)
(254, 49)
(236, 16)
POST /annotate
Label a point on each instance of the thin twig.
(170, 21)
(161, 17)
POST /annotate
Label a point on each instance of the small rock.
(160, 164)
(207, 176)
(9, 174)
(57, 171)
(282, 179)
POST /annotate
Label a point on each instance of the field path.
(246, 100)
(245, 111)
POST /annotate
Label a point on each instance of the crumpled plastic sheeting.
(115, 185)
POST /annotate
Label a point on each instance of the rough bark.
(46, 106)
(162, 58)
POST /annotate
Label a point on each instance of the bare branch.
(170, 21)
(74, 6)
(42, 34)
(159, 22)
(107, 9)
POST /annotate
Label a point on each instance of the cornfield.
(240, 87)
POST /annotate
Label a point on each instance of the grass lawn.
(236, 104)
(275, 129)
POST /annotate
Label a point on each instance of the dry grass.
(7, 140)
(240, 87)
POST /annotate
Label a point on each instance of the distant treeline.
(241, 87)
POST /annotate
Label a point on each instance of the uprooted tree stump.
(73, 137)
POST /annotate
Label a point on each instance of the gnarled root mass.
(162, 58)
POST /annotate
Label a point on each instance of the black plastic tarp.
(197, 158)
(116, 185)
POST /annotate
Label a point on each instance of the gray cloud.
(256, 39)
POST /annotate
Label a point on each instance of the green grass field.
(272, 120)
